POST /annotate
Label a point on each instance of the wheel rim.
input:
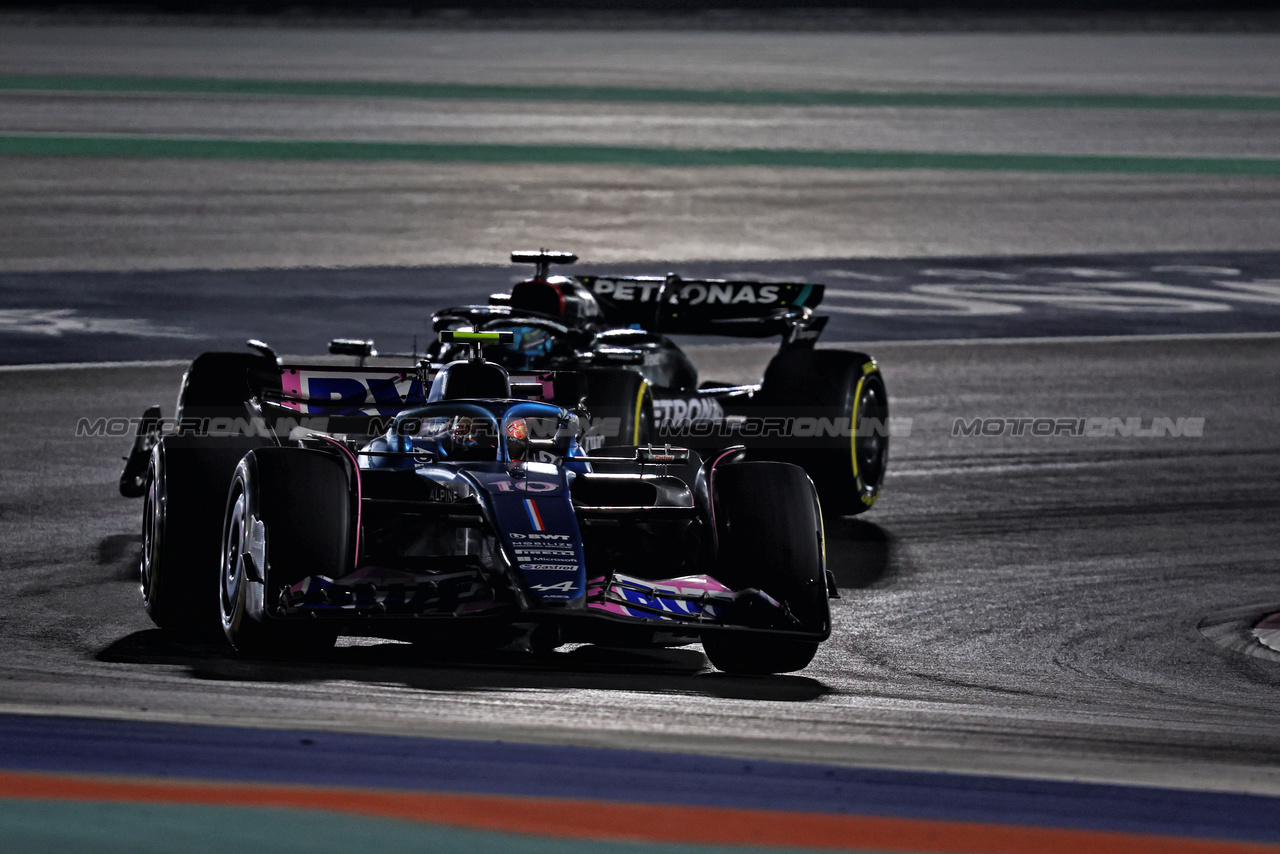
(152, 527)
(872, 445)
(232, 575)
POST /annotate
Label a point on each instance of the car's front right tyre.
(288, 516)
(769, 537)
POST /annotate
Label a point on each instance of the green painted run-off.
(635, 94)
(445, 152)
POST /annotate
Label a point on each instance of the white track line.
(927, 342)
(80, 366)
(1077, 339)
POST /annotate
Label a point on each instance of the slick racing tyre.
(770, 538)
(185, 486)
(847, 389)
(621, 407)
(288, 516)
(217, 385)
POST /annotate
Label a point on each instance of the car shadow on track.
(859, 553)
(658, 671)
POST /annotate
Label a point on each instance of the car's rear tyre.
(289, 510)
(769, 536)
(616, 393)
(835, 385)
(184, 489)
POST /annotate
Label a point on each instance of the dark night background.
(869, 14)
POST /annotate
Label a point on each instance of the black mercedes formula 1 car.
(551, 472)
(824, 410)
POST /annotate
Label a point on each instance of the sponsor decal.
(443, 493)
(673, 412)
(694, 293)
(369, 394)
(549, 567)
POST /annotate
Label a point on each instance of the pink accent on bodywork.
(689, 585)
(548, 386)
(291, 386)
(711, 496)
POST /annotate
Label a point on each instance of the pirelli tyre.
(621, 406)
(288, 516)
(843, 396)
(216, 386)
(769, 536)
(185, 486)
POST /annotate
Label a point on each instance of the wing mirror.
(352, 347)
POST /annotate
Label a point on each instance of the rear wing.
(672, 304)
(372, 391)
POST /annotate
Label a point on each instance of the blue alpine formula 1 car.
(456, 502)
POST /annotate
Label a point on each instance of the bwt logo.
(344, 393)
(1094, 428)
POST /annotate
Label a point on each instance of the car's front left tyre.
(184, 487)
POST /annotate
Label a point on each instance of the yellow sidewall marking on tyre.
(853, 425)
(635, 433)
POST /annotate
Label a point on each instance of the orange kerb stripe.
(562, 817)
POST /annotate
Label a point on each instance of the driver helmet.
(471, 439)
(529, 349)
(517, 439)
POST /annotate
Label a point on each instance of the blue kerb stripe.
(75, 745)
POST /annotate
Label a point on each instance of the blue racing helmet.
(529, 349)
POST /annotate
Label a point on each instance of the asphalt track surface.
(1040, 145)
(1042, 641)
(88, 317)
